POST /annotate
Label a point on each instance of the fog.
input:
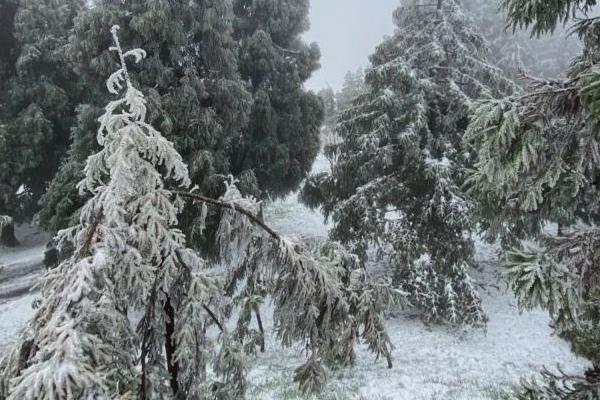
(347, 32)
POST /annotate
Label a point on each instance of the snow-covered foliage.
(321, 295)
(397, 183)
(128, 258)
(539, 159)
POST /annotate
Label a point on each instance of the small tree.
(397, 184)
(131, 265)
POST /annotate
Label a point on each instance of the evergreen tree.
(539, 163)
(329, 137)
(37, 98)
(353, 86)
(330, 109)
(282, 139)
(131, 260)
(398, 181)
(199, 99)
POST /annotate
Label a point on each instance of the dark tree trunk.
(170, 346)
(559, 231)
(260, 329)
(7, 235)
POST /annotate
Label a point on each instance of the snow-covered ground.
(430, 362)
(20, 267)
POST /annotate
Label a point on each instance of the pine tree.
(282, 139)
(397, 185)
(538, 162)
(131, 267)
(37, 98)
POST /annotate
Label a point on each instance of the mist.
(347, 32)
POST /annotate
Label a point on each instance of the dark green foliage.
(542, 17)
(61, 201)
(196, 95)
(38, 95)
(397, 184)
(199, 99)
(282, 139)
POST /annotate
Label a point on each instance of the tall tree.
(398, 181)
(38, 95)
(193, 82)
(282, 139)
(539, 162)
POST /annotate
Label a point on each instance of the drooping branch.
(231, 206)
(206, 308)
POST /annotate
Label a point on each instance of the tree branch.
(208, 310)
(222, 204)
(214, 317)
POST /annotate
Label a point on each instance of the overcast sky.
(347, 32)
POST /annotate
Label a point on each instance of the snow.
(20, 267)
(430, 362)
(13, 316)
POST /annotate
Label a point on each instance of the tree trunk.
(559, 230)
(7, 232)
(260, 329)
(172, 365)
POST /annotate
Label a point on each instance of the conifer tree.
(131, 267)
(199, 99)
(538, 162)
(38, 96)
(330, 109)
(282, 138)
(353, 86)
(397, 185)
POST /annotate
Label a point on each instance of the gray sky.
(347, 32)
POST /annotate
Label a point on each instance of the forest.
(184, 215)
